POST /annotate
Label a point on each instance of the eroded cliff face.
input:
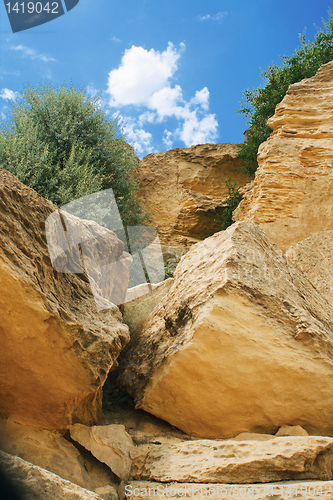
(184, 190)
(291, 195)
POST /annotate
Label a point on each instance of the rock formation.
(238, 345)
(242, 342)
(229, 461)
(45, 449)
(291, 195)
(314, 257)
(184, 190)
(36, 483)
(110, 444)
(56, 348)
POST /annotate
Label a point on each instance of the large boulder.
(291, 195)
(242, 342)
(36, 483)
(56, 346)
(279, 459)
(184, 190)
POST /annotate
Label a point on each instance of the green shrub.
(233, 200)
(260, 102)
(61, 143)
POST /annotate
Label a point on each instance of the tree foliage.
(260, 102)
(61, 143)
(232, 201)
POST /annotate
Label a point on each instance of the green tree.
(260, 102)
(61, 143)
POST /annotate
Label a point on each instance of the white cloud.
(148, 116)
(198, 131)
(8, 94)
(92, 91)
(215, 17)
(167, 138)
(139, 138)
(140, 74)
(144, 79)
(202, 98)
(115, 39)
(166, 101)
(11, 73)
(31, 53)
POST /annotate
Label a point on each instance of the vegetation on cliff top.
(61, 143)
(260, 102)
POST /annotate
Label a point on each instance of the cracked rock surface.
(56, 348)
(242, 342)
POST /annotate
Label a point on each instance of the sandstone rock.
(107, 492)
(45, 449)
(207, 461)
(137, 310)
(36, 483)
(314, 256)
(291, 430)
(51, 451)
(184, 190)
(290, 196)
(241, 343)
(252, 436)
(309, 490)
(56, 348)
(110, 444)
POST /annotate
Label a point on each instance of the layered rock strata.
(242, 342)
(291, 194)
(229, 461)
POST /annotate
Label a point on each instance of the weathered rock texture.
(184, 190)
(45, 449)
(207, 461)
(241, 343)
(56, 349)
(291, 195)
(314, 257)
(35, 483)
(110, 444)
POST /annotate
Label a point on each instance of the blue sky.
(172, 71)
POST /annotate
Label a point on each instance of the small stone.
(291, 430)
